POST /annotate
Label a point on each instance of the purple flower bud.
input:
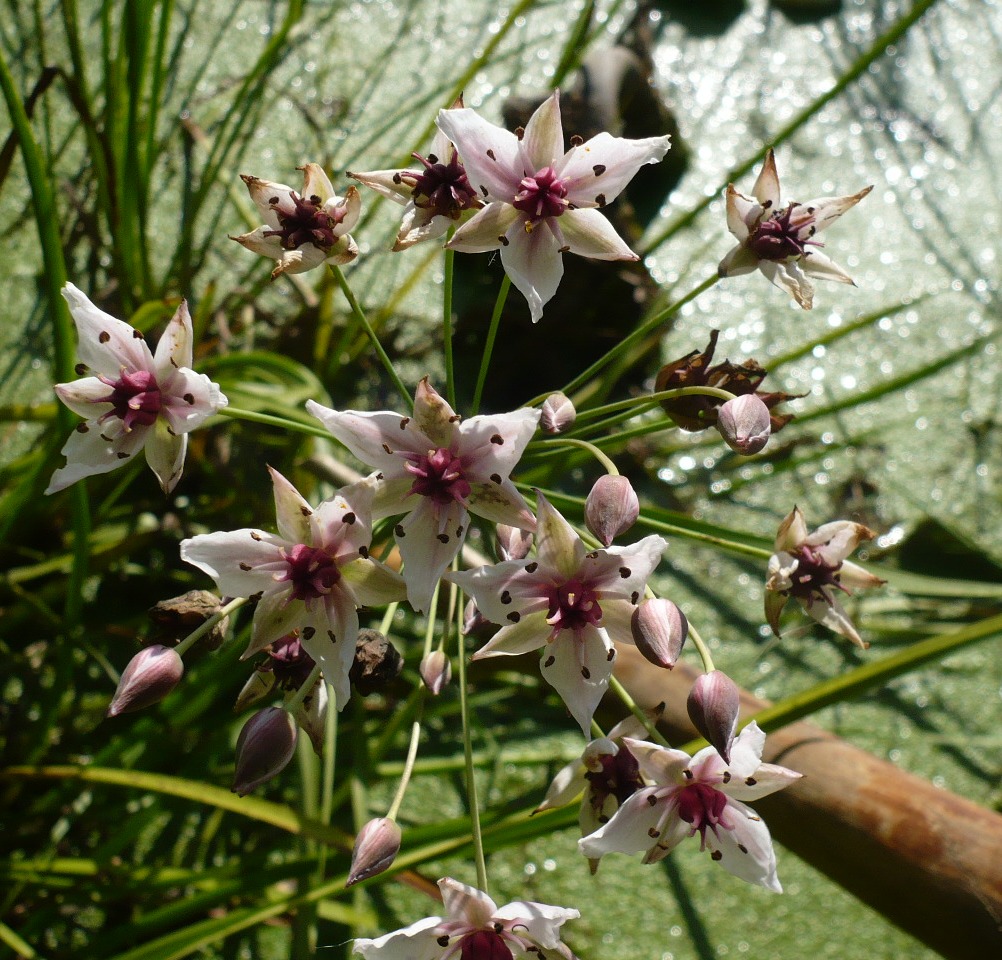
(513, 544)
(744, 423)
(659, 631)
(558, 413)
(376, 847)
(265, 746)
(612, 508)
(150, 676)
(713, 706)
(436, 671)
(473, 619)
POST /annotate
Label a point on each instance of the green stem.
(448, 270)
(359, 314)
(485, 360)
(405, 777)
(252, 416)
(327, 777)
(650, 399)
(702, 649)
(652, 731)
(610, 467)
(189, 641)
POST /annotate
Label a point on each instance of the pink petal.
(578, 664)
(174, 347)
(189, 399)
(588, 233)
(543, 141)
(463, 902)
(501, 589)
(494, 443)
(368, 435)
(428, 539)
(597, 171)
(94, 448)
(629, 830)
(486, 230)
(242, 562)
(542, 921)
(532, 260)
(433, 416)
(559, 549)
(165, 453)
(105, 345)
(766, 189)
(491, 155)
(292, 512)
(746, 849)
(623, 572)
(828, 209)
(342, 525)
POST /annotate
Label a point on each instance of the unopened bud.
(745, 424)
(150, 676)
(713, 706)
(558, 413)
(659, 631)
(376, 847)
(436, 671)
(257, 687)
(473, 619)
(612, 508)
(265, 746)
(513, 544)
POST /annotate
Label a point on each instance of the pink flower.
(701, 794)
(136, 401)
(437, 469)
(779, 240)
(302, 231)
(311, 577)
(543, 201)
(569, 600)
(475, 928)
(813, 569)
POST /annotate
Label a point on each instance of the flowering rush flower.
(779, 240)
(701, 794)
(436, 469)
(475, 928)
(311, 577)
(302, 231)
(137, 400)
(541, 200)
(569, 600)
(812, 567)
(434, 198)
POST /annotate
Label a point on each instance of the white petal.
(276, 616)
(623, 572)
(419, 941)
(94, 448)
(344, 251)
(816, 264)
(774, 604)
(386, 183)
(463, 902)
(328, 633)
(529, 633)
(588, 233)
(617, 621)
(316, 183)
(257, 241)
(578, 664)
(828, 209)
(433, 416)
(263, 192)
(792, 531)
(292, 512)
(428, 540)
(500, 589)
(419, 224)
(833, 616)
(566, 786)
(789, 277)
(855, 577)
(105, 345)
(490, 154)
(542, 921)
(543, 140)
(165, 453)
(742, 212)
(347, 209)
(660, 764)
(629, 830)
(485, 230)
(174, 348)
(226, 558)
(494, 443)
(373, 583)
(342, 525)
(86, 398)
(559, 549)
(500, 503)
(835, 541)
(746, 849)
(739, 260)
(597, 171)
(532, 260)
(368, 435)
(766, 189)
(303, 258)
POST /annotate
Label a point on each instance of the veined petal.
(373, 437)
(486, 229)
(821, 267)
(792, 531)
(739, 260)
(277, 614)
(774, 604)
(419, 224)
(746, 848)
(242, 562)
(292, 512)
(105, 344)
(578, 664)
(165, 451)
(94, 448)
(543, 141)
(386, 183)
(501, 589)
(373, 583)
(660, 764)
(629, 831)
(433, 416)
(490, 154)
(559, 549)
(174, 347)
(597, 171)
(854, 577)
(532, 260)
(463, 902)
(267, 196)
(590, 234)
(189, 399)
(789, 277)
(500, 503)
(623, 572)
(835, 541)
(566, 786)
(494, 443)
(833, 616)
(766, 189)
(542, 921)
(828, 209)
(328, 634)
(742, 212)
(342, 525)
(316, 183)
(419, 941)
(82, 397)
(428, 539)
(528, 633)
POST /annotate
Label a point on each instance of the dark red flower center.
(573, 606)
(312, 572)
(784, 236)
(135, 398)
(484, 945)
(443, 187)
(542, 195)
(438, 475)
(702, 807)
(619, 777)
(813, 573)
(308, 223)
(290, 663)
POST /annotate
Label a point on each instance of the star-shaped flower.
(437, 469)
(475, 928)
(137, 400)
(812, 567)
(311, 577)
(302, 231)
(434, 198)
(779, 240)
(543, 201)
(569, 600)
(700, 794)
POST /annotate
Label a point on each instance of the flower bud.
(150, 676)
(436, 671)
(473, 619)
(612, 508)
(257, 687)
(513, 544)
(265, 746)
(558, 413)
(376, 847)
(713, 706)
(745, 424)
(659, 631)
